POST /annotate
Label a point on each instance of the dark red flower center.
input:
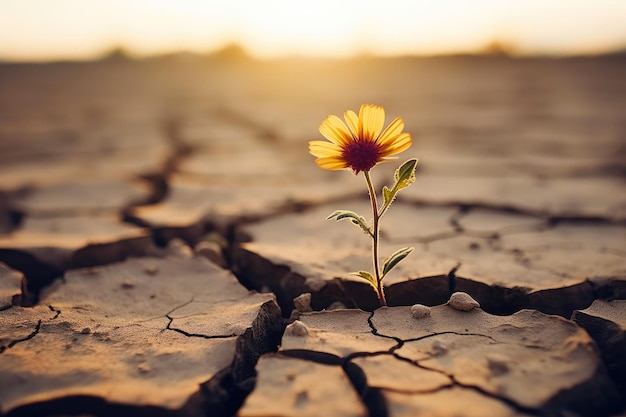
(361, 155)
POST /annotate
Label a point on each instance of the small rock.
(419, 311)
(498, 363)
(151, 270)
(178, 248)
(297, 328)
(86, 330)
(438, 348)
(212, 251)
(462, 301)
(303, 302)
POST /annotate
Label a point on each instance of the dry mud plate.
(147, 332)
(164, 250)
(450, 362)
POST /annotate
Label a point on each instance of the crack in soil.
(454, 381)
(370, 396)
(56, 312)
(399, 341)
(24, 339)
(204, 336)
(428, 336)
(507, 401)
(225, 393)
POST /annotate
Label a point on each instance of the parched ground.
(164, 249)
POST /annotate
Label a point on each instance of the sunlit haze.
(35, 30)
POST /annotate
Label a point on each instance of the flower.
(360, 143)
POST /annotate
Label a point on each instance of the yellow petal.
(353, 122)
(392, 131)
(335, 130)
(401, 144)
(331, 163)
(322, 148)
(371, 121)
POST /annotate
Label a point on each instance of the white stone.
(297, 328)
(303, 302)
(419, 311)
(462, 301)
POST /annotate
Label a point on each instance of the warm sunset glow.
(44, 29)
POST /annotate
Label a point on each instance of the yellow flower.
(360, 143)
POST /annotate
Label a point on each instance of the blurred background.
(229, 92)
(41, 30)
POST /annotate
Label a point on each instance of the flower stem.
(379, 282)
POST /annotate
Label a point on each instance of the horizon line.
(235, 51)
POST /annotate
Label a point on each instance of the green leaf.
(395, 258)
(345, 214)
(367, 276)
(354, 217)
(388, 195)
(405, 175)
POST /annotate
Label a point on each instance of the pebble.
(297, 328)
(462, 301)
(303, 302)
(178, 248)
(419, 311)
(151, 270)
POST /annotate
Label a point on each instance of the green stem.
(375, 234)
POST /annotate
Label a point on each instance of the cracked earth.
(164, 249)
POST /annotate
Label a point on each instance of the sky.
(40, 30)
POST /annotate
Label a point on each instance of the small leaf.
(367, 276)
(388, 195)
(354, 217)
(405, 175)
(395, 258)
(342, 214)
